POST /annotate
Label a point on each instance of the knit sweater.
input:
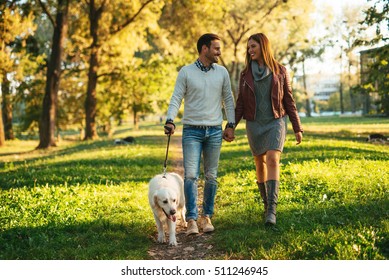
(262, 89)
(204, 94)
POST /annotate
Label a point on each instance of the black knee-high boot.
(262, 191)
(272, 188)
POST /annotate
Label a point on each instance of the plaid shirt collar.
(203, 68)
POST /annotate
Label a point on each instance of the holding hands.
(228, 134)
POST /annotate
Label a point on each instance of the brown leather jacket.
(281, 99)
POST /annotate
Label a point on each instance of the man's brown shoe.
(207, 225)
(192, 227)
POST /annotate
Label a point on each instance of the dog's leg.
(172, 233)
(161, 232)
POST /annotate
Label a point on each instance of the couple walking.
(264, 100)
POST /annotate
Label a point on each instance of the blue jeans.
(197, 141)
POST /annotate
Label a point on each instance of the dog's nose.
(172, 212)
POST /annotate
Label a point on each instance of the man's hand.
(169, 129)
(228, 134)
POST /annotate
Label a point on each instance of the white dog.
(166, 198)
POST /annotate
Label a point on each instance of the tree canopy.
(86, 64)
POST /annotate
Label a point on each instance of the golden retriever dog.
(167, 199)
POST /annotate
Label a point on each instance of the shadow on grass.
(322, 153)
(82, 146)
(98, 240)
(80, 172)
(233, 160)
(314, 233)
(121, 167)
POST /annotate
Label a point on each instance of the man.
(205, 87)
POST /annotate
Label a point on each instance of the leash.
(167, 149)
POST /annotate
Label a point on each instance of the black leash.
(167, 149)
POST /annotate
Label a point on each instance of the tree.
(377, 16)
(299, 56)
(348, 31)
(377, 79)
(193, 18)
(15, 26)
(30, 77)
(49, 106)
(284, 21)
(6, 108)
(125, 15)
(2, 137)
(241, 18)
(350, 35)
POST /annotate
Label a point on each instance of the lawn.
(88, 200)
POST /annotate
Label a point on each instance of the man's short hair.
(206, 39)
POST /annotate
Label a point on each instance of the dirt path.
(193, 247)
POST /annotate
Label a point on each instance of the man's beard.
(213, 58)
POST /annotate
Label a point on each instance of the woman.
(265, 98)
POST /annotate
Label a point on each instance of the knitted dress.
(265, 132)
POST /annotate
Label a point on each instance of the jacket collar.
(248, 78)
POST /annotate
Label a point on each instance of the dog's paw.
(161, 238)
(173, 242)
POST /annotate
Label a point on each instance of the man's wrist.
(230, 125)
(170, 121)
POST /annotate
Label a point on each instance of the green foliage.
(89, 200)
(378, 15)
(15, 24)
(377, 79)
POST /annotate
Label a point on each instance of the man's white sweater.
(204, 94)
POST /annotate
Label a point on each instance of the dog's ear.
(155, 200)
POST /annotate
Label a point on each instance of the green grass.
(88, 200)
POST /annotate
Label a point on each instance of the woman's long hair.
(266, 52)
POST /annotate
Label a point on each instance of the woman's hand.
(299, 137)
(228, 134)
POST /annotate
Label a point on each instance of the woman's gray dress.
(265, 132)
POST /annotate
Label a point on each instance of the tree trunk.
(308, 103)
(135, 116)
(366, 103)
(341, 82)
(2, 138)
(7, 108)
(91, 100)
(352, 95)
(49, 109)
(341, 96)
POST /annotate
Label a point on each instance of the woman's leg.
(261, 171)
(273, 165)
(272, 184)
(261, 168)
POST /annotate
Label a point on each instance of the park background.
(75, 75)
